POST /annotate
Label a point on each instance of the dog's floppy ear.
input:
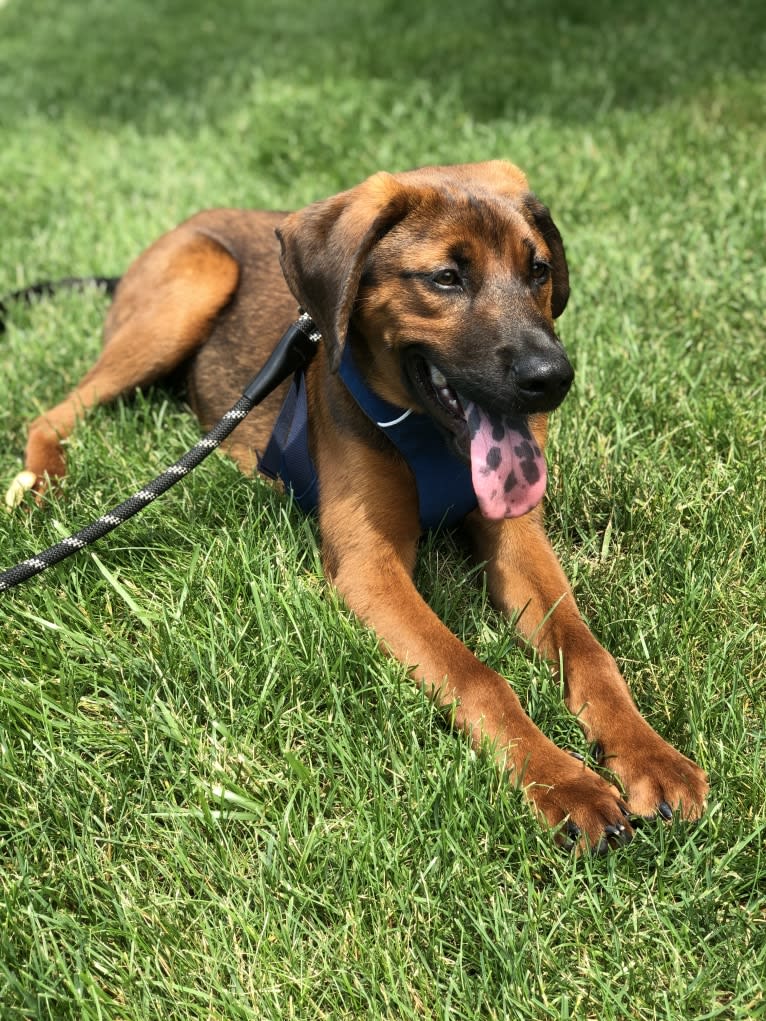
(324, 248)
(543, 222)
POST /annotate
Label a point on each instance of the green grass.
(217, 799)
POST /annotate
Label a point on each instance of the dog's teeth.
(448, 397)
(437, 378)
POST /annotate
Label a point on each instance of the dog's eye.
(541, 271)
(446, 278)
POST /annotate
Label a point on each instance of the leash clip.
(307, 326)
(295, 350)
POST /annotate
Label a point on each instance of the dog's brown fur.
(209, 299)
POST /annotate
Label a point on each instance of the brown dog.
(444, 283)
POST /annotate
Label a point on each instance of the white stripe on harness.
(395, 421)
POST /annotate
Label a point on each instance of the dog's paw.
(24, 482)
(587, 813)
(658, 780)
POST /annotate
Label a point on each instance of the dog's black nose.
(542, 380)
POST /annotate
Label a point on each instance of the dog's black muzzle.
(525, 374)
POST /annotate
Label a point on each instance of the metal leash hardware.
(295, 349)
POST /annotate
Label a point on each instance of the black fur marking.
(541, 218)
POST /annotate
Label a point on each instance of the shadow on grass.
(185, 61)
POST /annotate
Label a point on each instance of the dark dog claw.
(598, 752)
(665, 810)
(635, 821)
(620, 834)
(572, 832)
(576, 755)
(615, 835)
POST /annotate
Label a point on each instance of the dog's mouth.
(508, 469)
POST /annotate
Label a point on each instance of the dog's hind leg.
(162, 313)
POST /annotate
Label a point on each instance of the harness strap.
(287, 456)
(443, 480)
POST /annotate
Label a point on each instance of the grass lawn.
(217, 799)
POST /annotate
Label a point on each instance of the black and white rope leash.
(295, 349)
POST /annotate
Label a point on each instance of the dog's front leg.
(525, 580)
(369, 542)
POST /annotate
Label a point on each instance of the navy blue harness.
(445, 490)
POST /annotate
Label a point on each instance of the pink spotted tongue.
(507, 467)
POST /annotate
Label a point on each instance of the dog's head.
(449, 280)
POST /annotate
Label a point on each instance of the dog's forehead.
(475, 228)
(477, 210)
(494, 177)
